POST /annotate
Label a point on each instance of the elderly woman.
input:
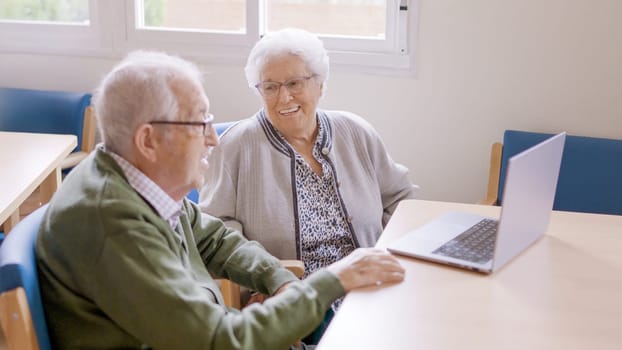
(307, 183)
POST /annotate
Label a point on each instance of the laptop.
(484, 244)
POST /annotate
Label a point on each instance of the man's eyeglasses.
(270, 89)
(206, 124)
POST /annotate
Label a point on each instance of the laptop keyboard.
(475, 244)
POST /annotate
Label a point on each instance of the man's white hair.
(137, 91)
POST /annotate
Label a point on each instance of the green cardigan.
(114, 274)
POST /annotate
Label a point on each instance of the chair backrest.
(590, 178)
(21, 307)
(52, 112)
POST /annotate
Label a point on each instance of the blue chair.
(220, 129)
(193, 195)
(590, 174)
(52, 112)
(21, 308)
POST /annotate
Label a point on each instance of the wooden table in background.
(564, 292)
(28, 161)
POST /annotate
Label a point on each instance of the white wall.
(483, 66)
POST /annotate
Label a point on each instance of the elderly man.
(127, 262)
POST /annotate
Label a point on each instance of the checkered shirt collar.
(165, 206)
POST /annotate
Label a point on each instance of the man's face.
(183, 150)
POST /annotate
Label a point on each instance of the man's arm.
(144, 287)
(228, 254)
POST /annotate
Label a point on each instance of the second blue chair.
(589, 178)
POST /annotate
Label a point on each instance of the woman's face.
(290, 107)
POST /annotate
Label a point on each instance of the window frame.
(114, 30)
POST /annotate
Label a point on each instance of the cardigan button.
(350, 219)
(325, 150)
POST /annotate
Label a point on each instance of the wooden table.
(28, 161)
(564, 292)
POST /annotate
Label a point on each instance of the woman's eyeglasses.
(269, 89)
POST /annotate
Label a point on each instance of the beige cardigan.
(250, 182)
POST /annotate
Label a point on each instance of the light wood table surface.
(563, 292)
(28, 161)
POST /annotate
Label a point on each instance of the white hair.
(137, 91)
(294, 41)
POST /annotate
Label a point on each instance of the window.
(75, 12)
(349, 18)
(207, 15)
(364, 34)
(362, 19)
(52, 26)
